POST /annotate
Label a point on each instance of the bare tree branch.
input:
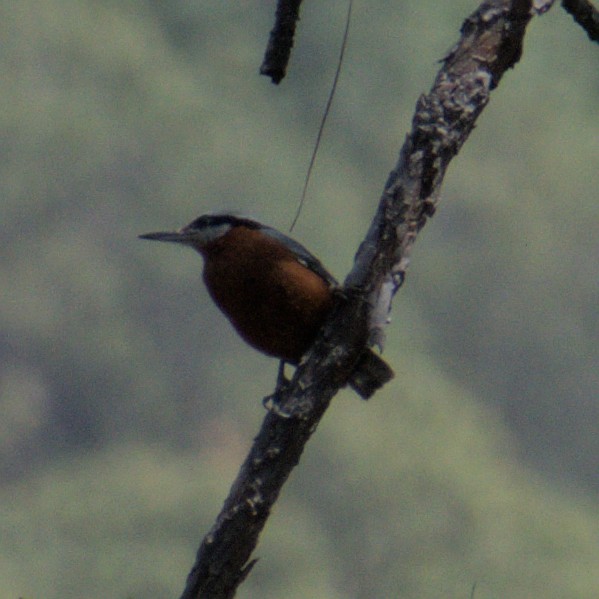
(280, 42)
(586, 15)
(491, 43)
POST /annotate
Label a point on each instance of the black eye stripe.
(215, 220)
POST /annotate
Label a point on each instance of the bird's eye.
(199, 223)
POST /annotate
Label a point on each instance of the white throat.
(209, 234)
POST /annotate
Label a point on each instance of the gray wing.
(304, 257)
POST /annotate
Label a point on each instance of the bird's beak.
(181, 236)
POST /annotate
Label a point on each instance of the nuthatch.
(273, 290)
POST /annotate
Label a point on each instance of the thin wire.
(473, 590)
(324, 116)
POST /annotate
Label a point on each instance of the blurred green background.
(127, 400)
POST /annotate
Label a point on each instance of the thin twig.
(586, 15)
(280, 42)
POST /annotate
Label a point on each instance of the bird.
(275, 293)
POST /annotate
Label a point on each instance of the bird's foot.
(273, 402)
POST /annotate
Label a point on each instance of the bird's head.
(203, 231)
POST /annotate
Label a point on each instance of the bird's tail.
(371, 373)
